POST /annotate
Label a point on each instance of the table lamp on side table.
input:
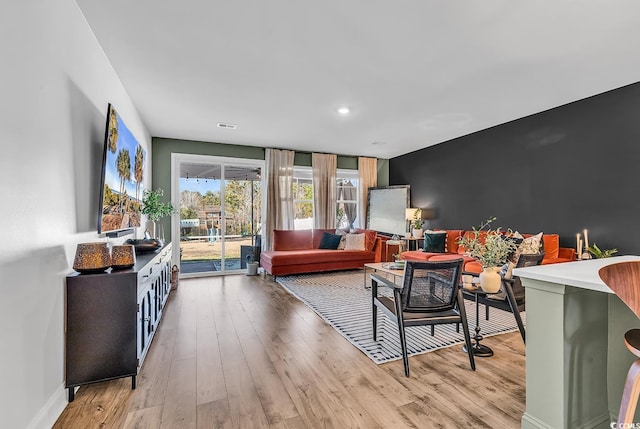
(408, 215)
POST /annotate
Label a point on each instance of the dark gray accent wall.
(572, 167)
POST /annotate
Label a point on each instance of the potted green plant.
(155, 209)
(417, 223)
(252, 265)
(491, 248)
(599, 253)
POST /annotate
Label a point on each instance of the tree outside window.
(303, 198)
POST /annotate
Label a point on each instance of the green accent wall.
(162, 148)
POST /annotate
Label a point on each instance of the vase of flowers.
(492, 248)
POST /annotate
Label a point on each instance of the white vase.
(417, 233)
(490, 279)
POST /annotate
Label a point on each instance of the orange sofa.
(296, 252)
(551, 244)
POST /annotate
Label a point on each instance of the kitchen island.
(576, 361)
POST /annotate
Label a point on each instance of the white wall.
(55, 83)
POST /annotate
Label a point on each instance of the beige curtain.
(324, 189)
(367, 178)
(278, 195)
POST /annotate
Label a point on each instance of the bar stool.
(624, 279)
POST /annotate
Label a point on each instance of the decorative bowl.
(145, 245)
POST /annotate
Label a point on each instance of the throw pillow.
(343, 238)
(517, 241)
(354, 242)
(529, 246)
(329, 241)
(434, 241)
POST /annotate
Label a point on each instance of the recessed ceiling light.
(227, 126)
(344, 110)
(378, 143)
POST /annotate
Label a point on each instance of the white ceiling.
(414, 73)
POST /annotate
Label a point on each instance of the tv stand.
(119, 233)
(111, 319)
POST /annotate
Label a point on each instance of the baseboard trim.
(50, 412)
(530, 422)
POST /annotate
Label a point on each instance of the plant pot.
(417, 233)
(252, 268)
(490, 279)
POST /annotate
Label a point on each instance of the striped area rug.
(341, 299)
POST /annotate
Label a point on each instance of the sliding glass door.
(220, 207)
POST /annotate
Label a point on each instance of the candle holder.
(92, 258)
(123, 256)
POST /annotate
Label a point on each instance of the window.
(347, 199)
(303, 197)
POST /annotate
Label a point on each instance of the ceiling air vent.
(227, 126)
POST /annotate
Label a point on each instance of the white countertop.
(582, 274)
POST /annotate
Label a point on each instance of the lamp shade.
(408, 214)
(92, 257)
(123, 256)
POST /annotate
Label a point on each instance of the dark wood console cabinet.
(111, 318)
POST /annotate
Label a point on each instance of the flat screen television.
(122, 178)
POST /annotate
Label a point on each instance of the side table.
(388, 243)
(412, 242)
(478, 349)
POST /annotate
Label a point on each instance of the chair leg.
(457, 327)
(374, 307)
(630, 395)
(487, 312)
(433, 330)
(514, 309)
(465, 330)
(375, 322)
(403, 339)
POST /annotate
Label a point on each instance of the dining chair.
(624, 280)
(429, 295)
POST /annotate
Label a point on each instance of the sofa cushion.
(418, 255)
(369, 237)
(449, 256)
(531, 244)
(551, 243)
(453, 235)
(343, 238)
(512, 257)
(354, 242)
(316, 256)
(435, 241)
(329, 241)
(317, 236)
(473, 267)
(289, 239)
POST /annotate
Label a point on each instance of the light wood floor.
(240, 352)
